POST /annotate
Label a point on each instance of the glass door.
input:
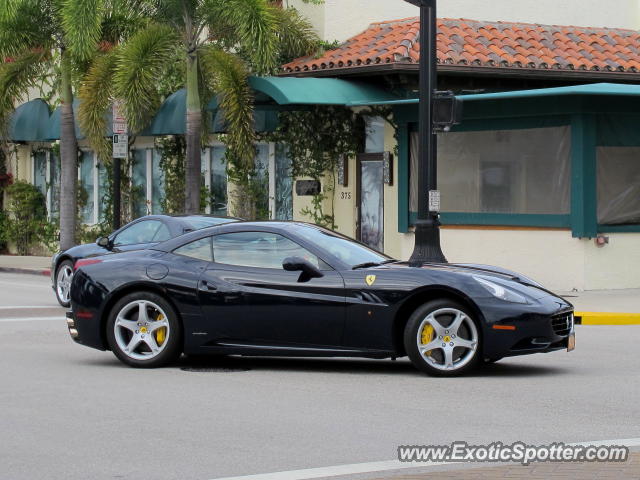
(370, 198)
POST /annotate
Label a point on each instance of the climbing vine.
(316, 140)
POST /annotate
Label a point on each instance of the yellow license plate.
(571, 344)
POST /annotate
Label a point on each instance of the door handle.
(207, 287)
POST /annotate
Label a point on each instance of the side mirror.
(104, 242)
(298, 264)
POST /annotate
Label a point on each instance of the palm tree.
(220, 43)
(57, 37)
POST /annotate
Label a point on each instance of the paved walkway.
(30, 264)
(600, 471)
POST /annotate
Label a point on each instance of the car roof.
(266, 225)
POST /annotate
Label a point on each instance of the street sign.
(434, 200)
(120, 128)
(120, 146)
(118, 112)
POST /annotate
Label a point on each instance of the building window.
(102, 192)
(53, 197)
(618, 174)
(40, 171)
(283, 208)
(139, 182)
(523, 171)
(219, 200)
(157, 183)
(87, 182)
(262, 177)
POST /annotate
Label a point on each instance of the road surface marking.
(33, 319)
(20, 307)
(390, 465)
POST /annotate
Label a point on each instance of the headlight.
(500, 292)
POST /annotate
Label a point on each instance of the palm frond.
(227, 76)
(254, 25)
(16, 77)
(296, 34)
(82, 22)
(141, 62)
(96, 94)
(25, 24)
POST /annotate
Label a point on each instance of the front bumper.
(546, 326)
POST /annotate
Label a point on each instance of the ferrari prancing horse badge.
(370, 279)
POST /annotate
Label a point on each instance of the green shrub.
(26, 218)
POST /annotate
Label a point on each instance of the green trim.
(403, 178)
(583, 176)
(618, 228)
(502, 219)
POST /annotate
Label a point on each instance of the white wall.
(344, 18)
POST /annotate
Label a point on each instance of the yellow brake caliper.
(427, 336)
(161, 333)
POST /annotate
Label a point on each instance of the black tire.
(171, 349)
(420, 361)
(66, 264)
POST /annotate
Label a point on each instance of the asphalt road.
(70, 412)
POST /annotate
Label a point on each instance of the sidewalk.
(606, 307)
(31, 265)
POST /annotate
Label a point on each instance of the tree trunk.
(68, 160)
(194, 132)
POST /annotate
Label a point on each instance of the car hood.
(472, 269)
(85, 250)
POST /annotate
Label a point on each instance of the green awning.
(171, 117)
(53, 127)
(318, 91)
(29, 122)
(595, 89)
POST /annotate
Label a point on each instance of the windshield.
(196, 223)
(347, 250)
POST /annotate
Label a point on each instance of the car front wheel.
(143, 331)
(64, 275)
(442, 338)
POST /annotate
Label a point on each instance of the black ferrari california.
(289, 288)
(136, 235)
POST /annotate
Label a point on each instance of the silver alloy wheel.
(453, 342)
(136, 330)
(63, 283)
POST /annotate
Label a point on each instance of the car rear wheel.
(143, 330)
(442, 338)
(64, 275)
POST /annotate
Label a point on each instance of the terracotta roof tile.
(499, 44)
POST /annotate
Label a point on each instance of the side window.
(200, 249)
(147, 231)
(163, 234)
(258, 249)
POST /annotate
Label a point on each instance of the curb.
(29, 271)
(604, 318)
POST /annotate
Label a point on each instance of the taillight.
(85, 261)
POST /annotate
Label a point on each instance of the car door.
(249, 299)
(141, 235)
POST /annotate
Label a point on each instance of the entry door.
(370, 198)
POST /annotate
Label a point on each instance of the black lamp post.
(427, 234)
